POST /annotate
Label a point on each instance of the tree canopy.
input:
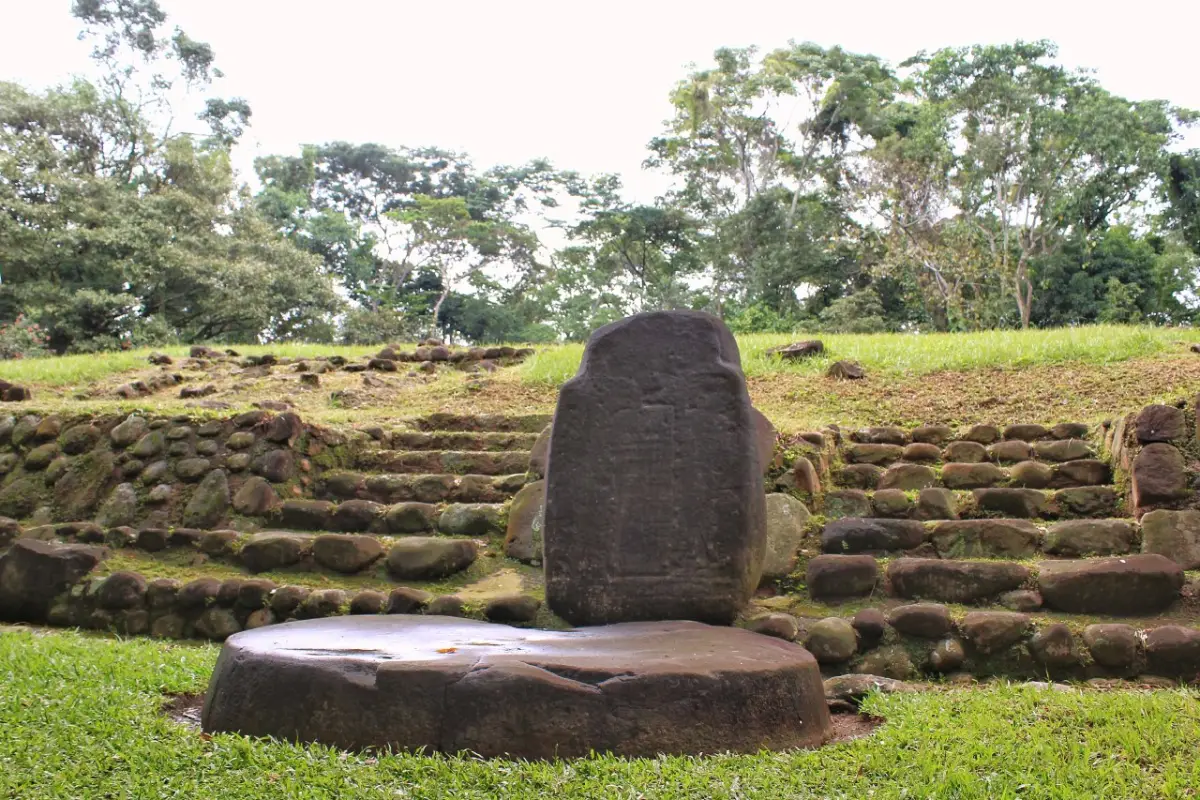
(964, 188)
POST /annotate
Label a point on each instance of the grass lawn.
(1045, 376)
(920, 354)
(79, 718)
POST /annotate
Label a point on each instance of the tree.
(441, 236)
(115, 228)
(1183, 193)
(748, 130)
(649, 252)
(1044, 151)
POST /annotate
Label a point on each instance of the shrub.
(22, 338)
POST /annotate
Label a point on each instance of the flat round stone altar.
(448, 684)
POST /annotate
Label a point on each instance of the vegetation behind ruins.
(811, 189)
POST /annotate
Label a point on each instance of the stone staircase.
(980, 516)
(904, 539)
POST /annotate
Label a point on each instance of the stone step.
(303, 517)
(981, 538)
(982, 434)
(473, 462)
(359, 516)
(494, 441)
(1128, 585)
(938, 503)
(443, 421)
(1131, 585)
(388, 488)
(1008, 452)
(908, 476)
(898, 640)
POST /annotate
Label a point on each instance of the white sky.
(583, 85)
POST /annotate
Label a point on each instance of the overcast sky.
(584, 85)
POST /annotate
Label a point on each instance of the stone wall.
(1007, 521)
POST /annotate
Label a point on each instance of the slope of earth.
(795, 399)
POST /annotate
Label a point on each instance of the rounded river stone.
(448, 684)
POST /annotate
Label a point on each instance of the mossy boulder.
(150, 445)
(428, 558)
(33, 573)
(346, 553)
(786, 521)
(255, 498)
(209, 503)
(268, 551)
(412, 517)
(523, 538)
(133, 428)
(40, 457)
(121, 507)
(831, 640)
(79, 439)
(22, 495)
(80, 489)
(469, 519)
(24, 429)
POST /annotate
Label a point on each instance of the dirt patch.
(184, 708)
(851, 725)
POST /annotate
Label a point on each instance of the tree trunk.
(437, 307)
(1024, 291)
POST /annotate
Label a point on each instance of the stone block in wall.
(932, 434)
(878, 454)
(986, 538)
(926, 620)
(1173, 534)
(953, 581)
(33, 573)
(1173, 651)
(1026, 432)
(1160, 423)
(891, 503)
(990, 632)
(860, 535)
(834, 577)
(908, 477)
(859, 476)
(1159, 475)
(971, 476)
(964, 452)
(1097, 537)
(846, 503)
(1020, 503)
(1114, 646)
(1063, 450)
(1083, 472)
(982, 434)
(880, 435)
(346, 553)
(1128, 585)
(786, 521)
(1069, 430)
(1085, 501)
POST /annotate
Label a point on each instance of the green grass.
(897, 353)
(920, 354)
(84, 368)
(79, 719)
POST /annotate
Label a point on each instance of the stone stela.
(654, 520)
(654, 500)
